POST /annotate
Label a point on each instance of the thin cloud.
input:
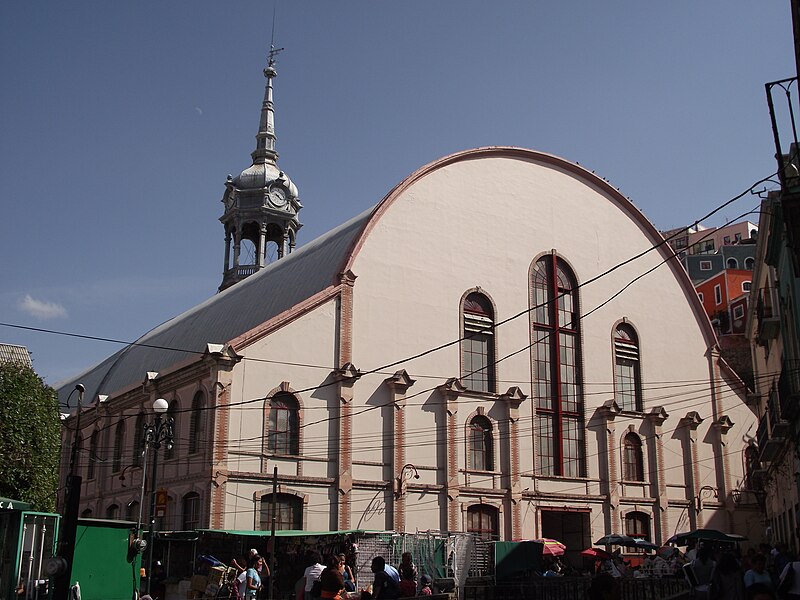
(199, 110)
(41, 309)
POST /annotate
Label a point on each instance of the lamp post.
(160, 432)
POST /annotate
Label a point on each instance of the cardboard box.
(215, 575)
(199, 583)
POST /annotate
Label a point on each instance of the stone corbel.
(723, 424)
(399, 384)
(451, 390)
(513, 398)
(609, 409)
(657, 415)
(692, 420)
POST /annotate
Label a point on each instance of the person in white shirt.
(312, 573)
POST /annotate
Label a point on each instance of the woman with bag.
(253, 579)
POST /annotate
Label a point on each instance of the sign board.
(161, 502)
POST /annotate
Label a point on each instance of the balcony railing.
(779, 426)
(767, 318)
(789, 389)
(768, 445)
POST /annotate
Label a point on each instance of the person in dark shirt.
(385, 586)
(331, 581)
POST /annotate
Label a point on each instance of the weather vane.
(273, 51)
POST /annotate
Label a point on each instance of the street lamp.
(160, 432)
(407, 472)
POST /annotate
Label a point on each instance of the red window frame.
(484, 521)
(284, 425)
(633, 459)
(481, 444)
(556, 355)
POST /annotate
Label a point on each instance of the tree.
(30, 437)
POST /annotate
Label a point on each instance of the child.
(408, 576)
(425, 581)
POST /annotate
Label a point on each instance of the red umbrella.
(596, 553)
(552, 547)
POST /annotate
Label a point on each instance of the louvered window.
(477, 345)
(627, 375)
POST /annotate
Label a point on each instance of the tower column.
(262, 245)
(237, 243)
(227, 250)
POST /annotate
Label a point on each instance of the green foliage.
(30, 437)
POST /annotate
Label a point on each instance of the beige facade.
(393, 433)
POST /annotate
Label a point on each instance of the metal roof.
(18, 354)
(223, 317)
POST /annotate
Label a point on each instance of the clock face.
(277, 197)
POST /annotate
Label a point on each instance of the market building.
(503, 345)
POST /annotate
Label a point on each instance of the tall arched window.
(138, 440)
(284, 424)
(119, 444)
(556, 359)
(172, 411)
(191, 511)
(481, 444)
(627, 374)
(637, 524)
(288, 512)
(477, 345)
(483, 520)
(632, 460)
(196, 422)
(93, 442)
(732, 263)
(749, 262)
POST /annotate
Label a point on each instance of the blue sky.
(119, 122)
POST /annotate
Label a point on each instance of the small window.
(112, 512)
(86, 513)
(749, 262)
(196, 422)
(738, 312)
(627, 375)
(718, 294)
(284, 424)
(288, 512)
(637, 524)
(705, 265)
(700, 295)
(481, 444)
(633, 461)
(191, 511)
(732, 263)
(726, 240)
(746, 285)
(119, 444)
(92, 458)
(737, 237)
(483, 520)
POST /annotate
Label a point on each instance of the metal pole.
(272, 533)
(155, 433)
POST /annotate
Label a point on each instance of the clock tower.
(261, 203)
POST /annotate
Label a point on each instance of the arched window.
(483, 520)
(627, 375)
(112, 512)
(637, 524)
(138, 440)
(191, 511)
(477, 345)
(288, 512)
(632, 460)
(196, 422)
(93, 442)
(749, 262)
(284, 424)
(481, 444)
(132, 511)
(119, 444)
(556, 356)
(86, 513)
(172, 411)
(732, 263)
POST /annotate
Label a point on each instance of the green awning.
(10, 504)
(284, 532)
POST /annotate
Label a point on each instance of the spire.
(265, 139)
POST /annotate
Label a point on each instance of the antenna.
(273, 51)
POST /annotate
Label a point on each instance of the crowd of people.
(335, 579)
(717, 573)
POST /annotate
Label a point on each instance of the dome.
(262, 175)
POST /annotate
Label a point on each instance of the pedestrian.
(347, 574)
(386, 585)
(425, 582)
(408, 576)
(331, 581)
(789, 582)
(702, 571)
(312, 572)
(253, 580)
(727, 581)
(757, 572)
